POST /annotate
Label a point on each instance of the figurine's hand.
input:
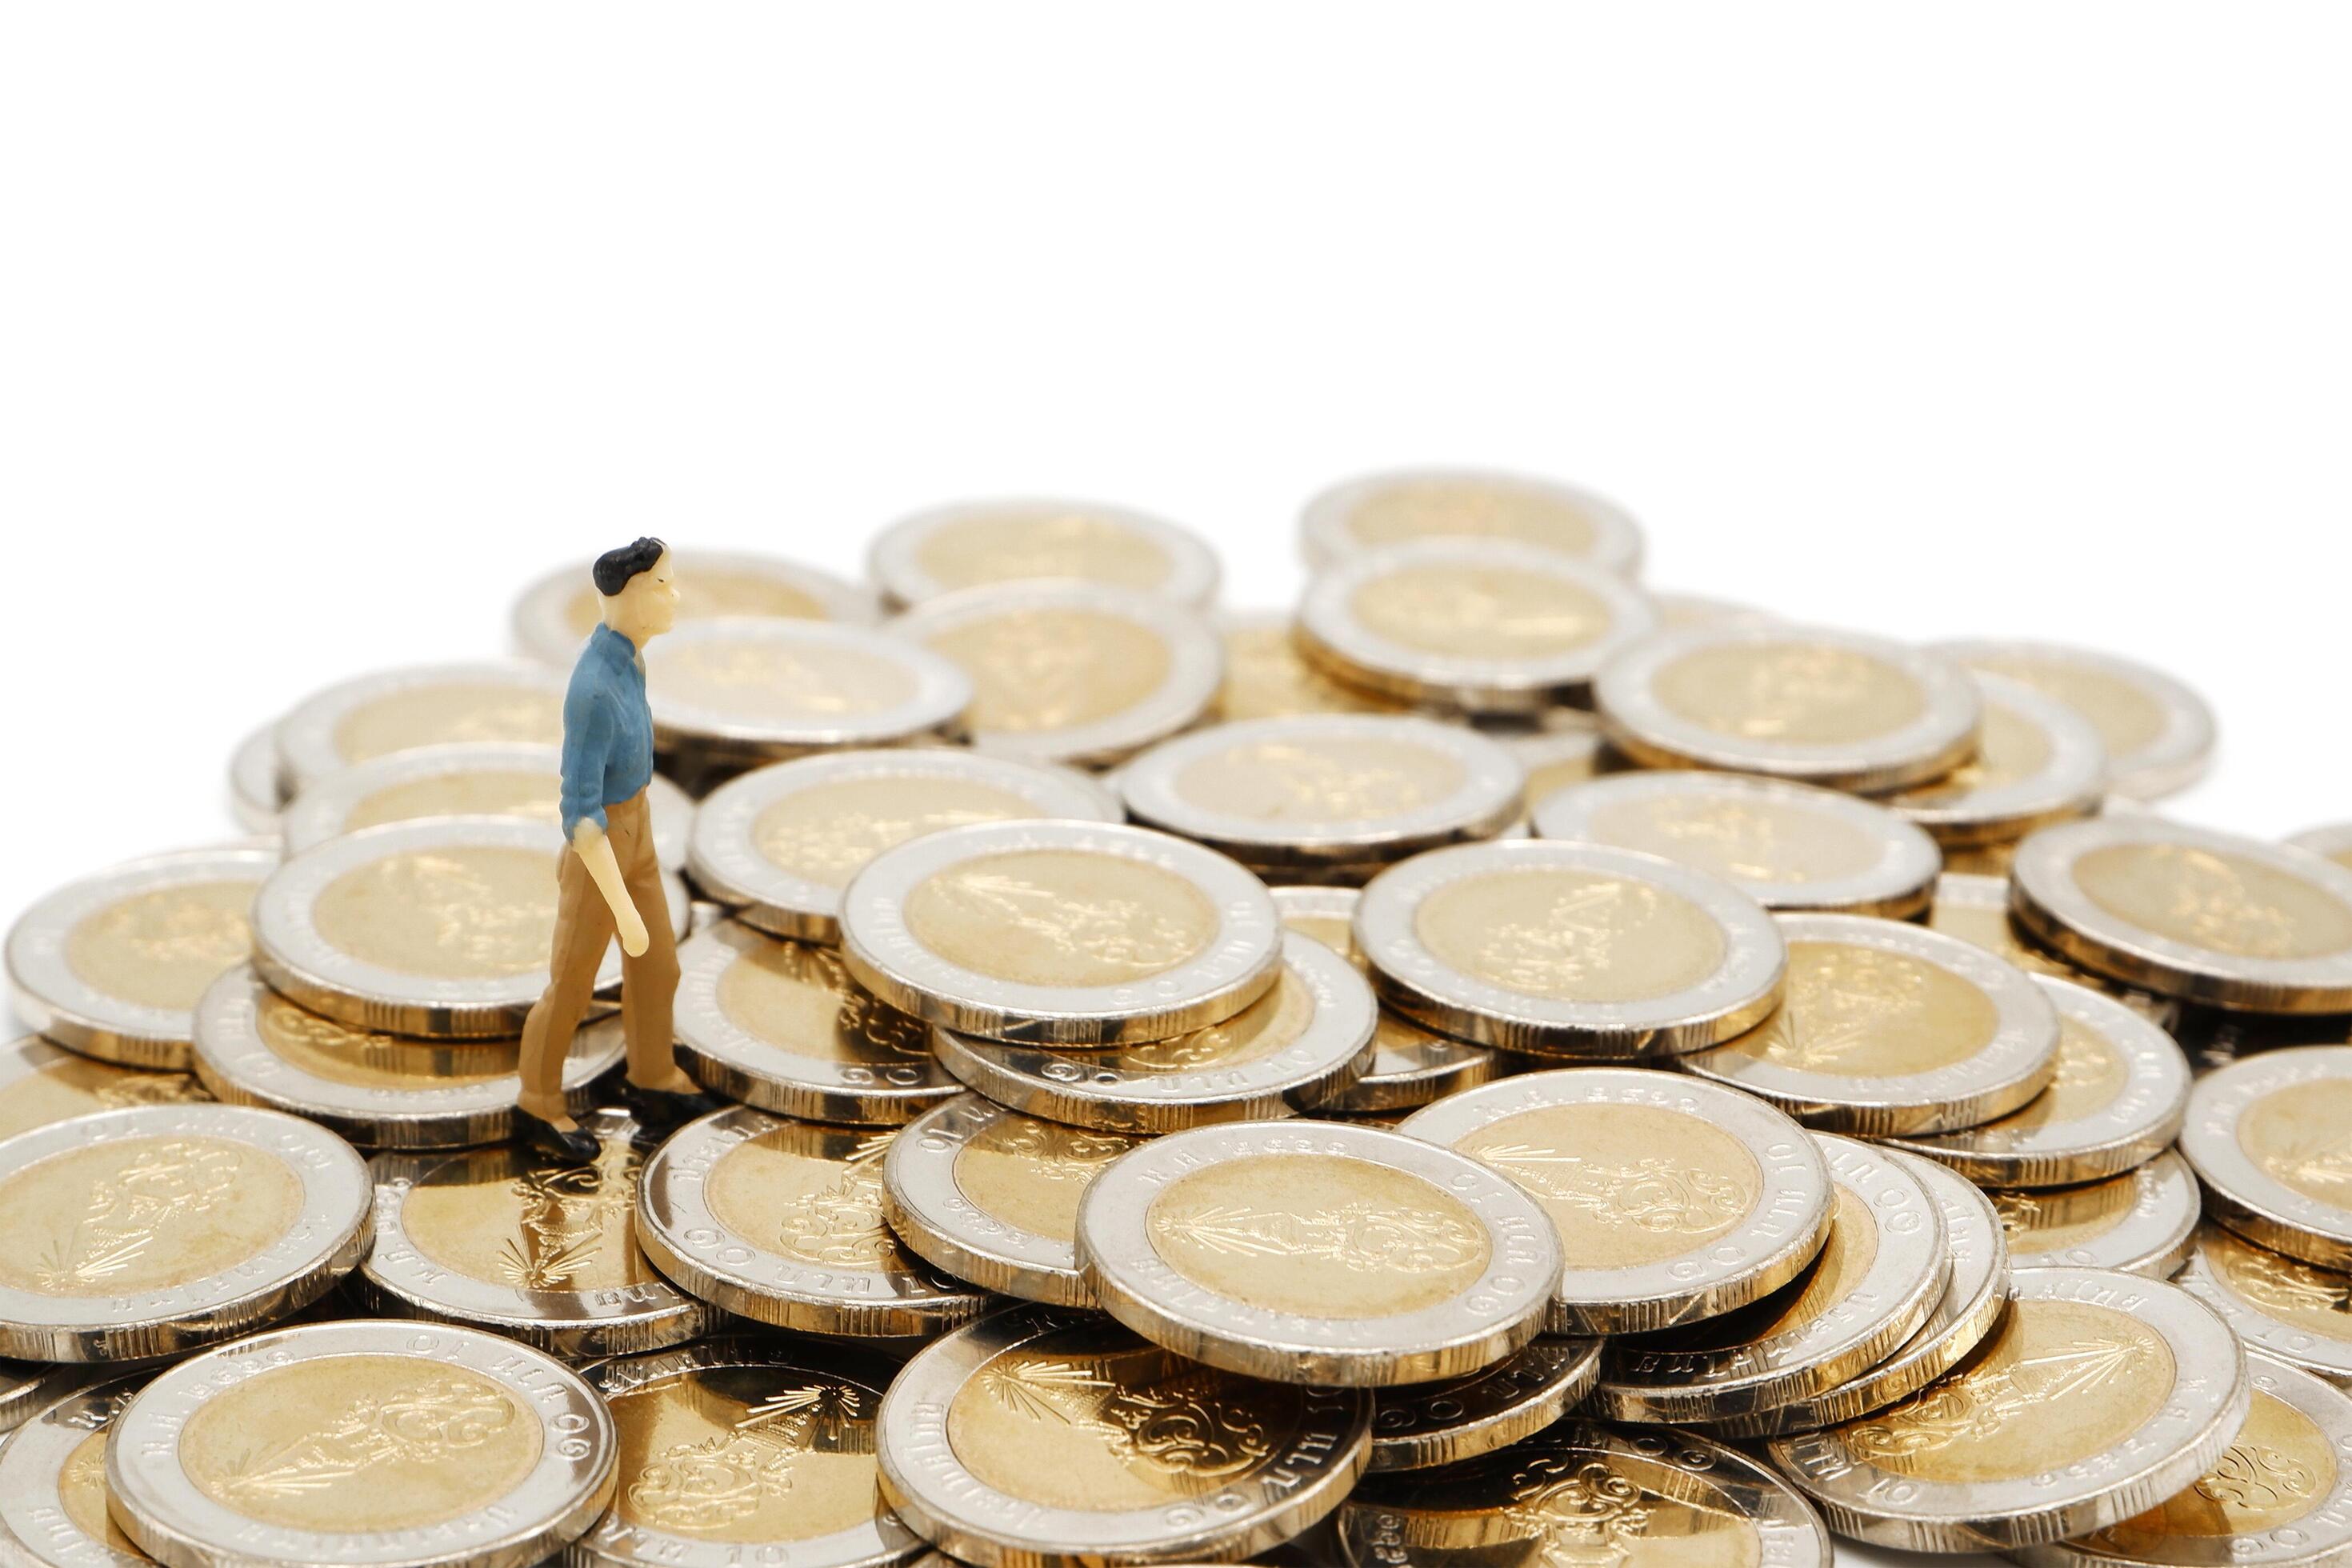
(632, 926)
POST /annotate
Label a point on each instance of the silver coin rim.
(940, 693)
(2071, 782)
(2259, 1207)
(541, 632)
(1323, 524)
(305, 737)
(2152, 1238)
(891, 560)
(2327, 841)
(35, 1531)
(256, 796)
(2261, 1332)
(1399, 1077)
(1570, 1368)
(2182, 750)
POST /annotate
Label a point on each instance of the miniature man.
(608, 882)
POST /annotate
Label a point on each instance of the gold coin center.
(364, 1059)
(1805, 694)
(755, 680)
(2278, 1469)
(1012, 546)
(828, 832)
(1331, 779)
(464, 911)
(477, 791)
(431, 715)
(1481, 612)
(1626, 1185)
(1570, 935)
(799, 999)
(516, 1219)
(1470, 509)
(1046, 669)
(1863, 1012)
(1743, 840)
(2127, 718)
(1061, 918)
(82, 1493)
(2300, 1136)
(162, 949)
(2215, 900)
(1030, 1173)
(812, 1194)
(141, 1214)
(748, 1455)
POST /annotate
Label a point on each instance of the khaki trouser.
(584, 932)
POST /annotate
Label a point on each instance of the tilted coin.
(149, 1231)
(379, 1091)
(1878, 1280)
(1887, 1029)
(438, 928)
(1375, 510)
(2192, 913)
(1062, 932)
(2116, 1100)
(1800, 702)
(1637, 1495)
(1787, 846)
(255, 793)
(1484, 625)
(27, 1388)
(53, 1483)
(2100, 1394)
(527, 1245)
(1675, 1200)
(1570, 950)
(2141, 1222)
(2158, 734)
(2271, 1140)
(113, 966)
(1975, 909)
(1267, 678)
(371, 716)
(1318, 1252)
(1041, 1436)
(361, 1442)
(1567, 751)
(782, 1222)
(745, 691)
(556, 612)
(744, 1450)
(41, 1083)
(991, 1195)
(780, 843)
(782, 1025)
(1065, 672)
(2333, 842)
(1020, 540)
(2038, 762)
(1456, 1418)
(2278, 1305)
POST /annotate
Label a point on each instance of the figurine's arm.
(595, 852)
(587, 736)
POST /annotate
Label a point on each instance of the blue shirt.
(608, 730)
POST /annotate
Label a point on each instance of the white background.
(323, 328)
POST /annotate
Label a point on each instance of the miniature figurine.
(609, 883)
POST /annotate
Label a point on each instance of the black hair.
(615, 568)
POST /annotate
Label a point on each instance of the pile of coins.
(1495, 1066)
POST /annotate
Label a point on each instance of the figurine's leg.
(649, 980)
(584, 932)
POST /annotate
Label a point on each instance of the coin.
(1267, 678)
(1376, 510)
(1887, 1029)
(1786, 845)
(1027, 539)
(2278, 1305)
(256, 796)
(744, 691)
(361, 1442)
(1567, 751)
(556, 612)
(438, 928)
(379, 1091)
(1878, 1280)
(991, 1196)
(1067, 672)
(2333, 842)
(780, 1024)
(40, 1083)
(781, 1221)
(2158, 734)
(466, 779)
(1318, 1252)
(1975, 909)
(1456, 1418)
(1675, 1200)
(111, 965)
(155, 1229)
(371, 716)
(2192, 913)
(2038, 762)
(1821, 707)
(1041, 1436)
(1293, 1049)
(1569, 949)
(1064, 933)
(1485, 625)
(2100, 1394)
(1630, 1495)
(744, 1450)
(2116, 1100)
(53, 1483)
(780, 843)
(2139, 1223)
(2271, 1142)
(1676, 611)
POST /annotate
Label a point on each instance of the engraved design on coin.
(1045, 918)
(841, 1222)
(1655, 1194)
(707, 1486)
(569, 1215)
(142, 1214)
(1179, 1425)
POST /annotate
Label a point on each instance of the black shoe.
(658, 1110)
(575, 1145)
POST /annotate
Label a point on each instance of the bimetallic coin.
(1459, 1418)
(360, 1443)
(2038, 762)
(1569, 949)
(378, 1091)
(782, 1222)
(991, 1196)
(1799, 703)
(556, 613)
(373, 716)
(1878, 1280)
(438, 928)
(1636, 1496)
(1042, 1435)
(1484, 625)
(40, 1083)
(2283, 1308)
(153, 1230)
(113, 966)
(742, 1450)
(2141, 1222)
(2158, 734)
(1411, 1066)
(1887, 1029)
(782, 842)
(1060, 932)
(780, 1024)
(1377, 510)
(1065, 672)
(1267, 678)
(1676, 611)
(1675, 1200)
(2116, 1100)
(2192, 913)
(53, 1483)
(740, 691)
(2271, 1140)
(2333, 842)
(256, 795)
(1318, 1252)
(1975, 909)
(1023, 540)
(1787, 846)
(464, 779)
(2100, 1394)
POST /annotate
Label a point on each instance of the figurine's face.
(646, 605)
